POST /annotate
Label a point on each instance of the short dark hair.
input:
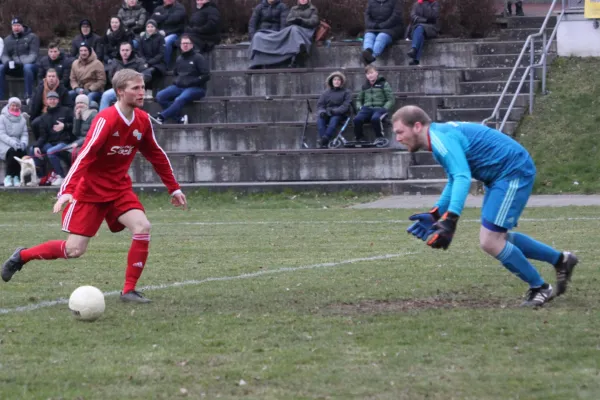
(185, 36)
(127, 43)
(50, 71)
(53, 45)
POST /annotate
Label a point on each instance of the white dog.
(28, 168)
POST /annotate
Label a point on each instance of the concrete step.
(426, 172)
(480, 101)
(495, 73)
(494, 87)
(504, 60)
(529, 22)
(522, 33)
(510, 128)
(508, 47)
(478, 114)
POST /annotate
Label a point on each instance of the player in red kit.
(98, 186)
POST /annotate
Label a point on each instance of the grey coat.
(271, 17)
(335, 101)
(23, 48)
(426, 14)
(13, 131)
(81, 126)
(308, 16)
(134, 18)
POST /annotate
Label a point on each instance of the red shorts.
(81, 218)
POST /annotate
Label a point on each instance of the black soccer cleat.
(133, 296)
(537, 297)
(12, 265)
(564, 270)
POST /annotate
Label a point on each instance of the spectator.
(303, 19)
(152, 49)
(58, 61)
(88, 36)
(424, 18)
(115, 35)
(384, 24)
(205, 26)
(56, 133)
(150, 5)
(171, 23)
(374, 101)
(191, 75)
(13, 140)
(21, 49)
(333, 105)
(133, 16)
(39, 102)
(125, 59)
(269, 15)
(85, 112)
(518, 8)
(87, 74)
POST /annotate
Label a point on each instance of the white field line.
(44, 304)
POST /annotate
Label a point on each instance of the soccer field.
(290, 297)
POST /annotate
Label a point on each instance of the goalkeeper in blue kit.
(469, 150)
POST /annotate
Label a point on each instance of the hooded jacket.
(133, 18)
(191, 70)
(170, 19)
(152, 49)
(335, 101)
(36, 105)
(89, 75)
(62, 65)
(268, 17)
(205, 27)
(22, 48)
(81, 126)
(13, 131)
(47, 122)
(92, 39)
(385, 16)
(377, 95)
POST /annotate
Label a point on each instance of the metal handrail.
(530, 69)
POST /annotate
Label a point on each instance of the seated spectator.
(88, 36)
(115, 35)
(58, 61)
(87, 75)
(332, 107)
(150, 5)
(269, 15)
(125, 59)
(205, 26)
(171, 18)
(424, 18)
(152, 49)
(39, 102)
(133, 16)
(191, 75)
(21, 49)
(85, 112)
(374, 101)
(384, 24)
(13, 140)
(56, 134)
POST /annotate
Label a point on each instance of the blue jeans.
(169, 42)
(29, 72)
(93, 96)
(53, 158)
(172, 99)
(327, 125)
(108, 97)
(418, 40)
(365, 114)
(376, 42)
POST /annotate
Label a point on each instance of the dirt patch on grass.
(405, 305)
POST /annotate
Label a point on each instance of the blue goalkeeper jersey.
(469, 150)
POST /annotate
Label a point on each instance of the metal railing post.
(531, 74)
(544, 66)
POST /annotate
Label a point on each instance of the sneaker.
(16, 181)
(537, 297)
(412, 53)
(414, 62)
(12, 265)
(184, 120)
(133, 296)
(8, 181)
(368, 56)
(564, 270)
(159, 119)
(57, 181)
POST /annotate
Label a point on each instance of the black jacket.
(335, 101)
(36, 104)
(62, 65)
(150, 5)
(23, 48)
(170, 19)
(205, 27)
(385, 16)
(135, 63)
(426, 14)
(112, 41)
(92, 39)
(152, 49)
(191, 70)
(268, 16)
(48, 120)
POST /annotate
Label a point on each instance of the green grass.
(563, 134)
(422, 324)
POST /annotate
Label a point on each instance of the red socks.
(46, 251)
(136, 260)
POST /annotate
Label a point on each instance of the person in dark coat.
(115, 35)
(58, 61)
(87, 35)
(269, 15)
(384, 24)
(150, 6)
(133, 16)
(205, 26)
(333, 105)
(20, 55)
(424, 18)
(152, 49)
(39, 102)
(171, 18)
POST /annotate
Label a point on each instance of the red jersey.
(100, 172)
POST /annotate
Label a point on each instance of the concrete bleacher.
(246, 134)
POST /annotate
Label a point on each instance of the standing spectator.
(39, 102)
(133, 16)
(125, 59)
(21, 50)
(13, 140)
(424, 18)
(152, 49)
(191, 75)
(87, 35)
(384, 24)
(374, 101)
(87, 74)
(333, 105)
(115, 35)
(205, 26)
(58, 61)
(171, 18)
(56, 134)
(269, 15)
(85, 112)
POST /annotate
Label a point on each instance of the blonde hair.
(123, 77)
(410, 115)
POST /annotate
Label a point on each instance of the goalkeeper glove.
(443, 231)
(422, 227)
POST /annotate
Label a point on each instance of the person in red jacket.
(98, 186)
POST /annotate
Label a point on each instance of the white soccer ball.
(87, 303)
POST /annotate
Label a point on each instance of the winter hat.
(82, 98)
(87, 46)
(14, 100)
(152, 22)
(52, 93)
(85, 22)
(16, 20)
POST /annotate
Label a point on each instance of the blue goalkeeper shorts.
(504, 201)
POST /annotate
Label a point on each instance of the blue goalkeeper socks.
(514, 260)
(533, 249)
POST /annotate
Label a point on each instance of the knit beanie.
(82, 98)
(14, 100)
